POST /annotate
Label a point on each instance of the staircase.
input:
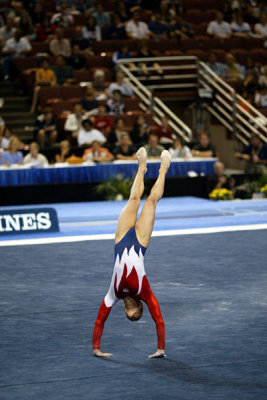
(15, 112)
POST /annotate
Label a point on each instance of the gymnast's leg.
(128, 215)
(145, 223)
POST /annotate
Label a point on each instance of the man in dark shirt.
(125, 151)
(219, 180)
(89, 102)
(255, 154)
(204, 148)
(64, 73)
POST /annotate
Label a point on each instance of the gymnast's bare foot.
(165, 159)
(141, 157)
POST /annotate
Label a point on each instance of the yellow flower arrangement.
(221, 194)
(264, 190)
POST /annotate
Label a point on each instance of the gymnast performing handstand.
(129, 281)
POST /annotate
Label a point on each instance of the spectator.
(261, 97)
(251, 84)
(263, 76)
(219, 28)
(240, 28)
(26, 27)
(37, 14)
(74, 121)
(179, 150)
(139, 134)
(121, 85)
(217, 67)
(163, 132)
(87, 134)
(123, 52)
(204, 148)
(255, 155)
(178, 28)
(233, 71)
(102, 18)
(77, 61)
(7, 31)
(89, 101)
(115, 30)
(79, 40)
(116, 134)
(102, 122)
(46, 128)
(97, 153)
(91, 31)
(115, 105)
(35, 158)
(99, 84)
(261, 28)
(45, 31)
(64, 73)
(13, 48)
(137, 29)
(153, 148)
(122, 11)
(157, 27)
(2, 130)
(12, 155)
(144, 65)
(44, 76)
(219, 180)
(125, 151)
(63, 18)
(65, 152)
(6, 136)
(60, 46)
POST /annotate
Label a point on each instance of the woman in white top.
(34, 157)
(178, 150)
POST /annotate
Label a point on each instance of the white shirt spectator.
(123, 87)
(87, 137)
(240, 28)
(22, 45)
(92, 35)
(62, 19)
(184, 152)
(261, 29)
(40, 160)
(137, 30)
(7, 34)
(72, 123)
(261, 99)
(222, 29)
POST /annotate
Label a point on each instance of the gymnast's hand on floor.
(99, 353)
(159, 353)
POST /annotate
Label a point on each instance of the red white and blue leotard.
(129, 279)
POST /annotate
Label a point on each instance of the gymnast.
(129, 281)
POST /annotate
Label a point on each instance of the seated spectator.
(204, 148)
(60, 46)
(219, 28)
(102, 122)
(240, 28)
(164, 132)
(219, 180)
(91, 31)
(178, 28)
(263, 76)
(115, 105)
(125, 151)
(153, 148)
(144, 65)
(63, 18)
(12, 155)
(99, 84)
(122, 11)
(64, 73)
(89, 101)
(44, 76)
(157, 27)
(136, 29)
(45, 31)
(116, 134)
(35, 158)
(65, 152)
(73, 122)
(102, 17)
(97, 153)
(217, 67)
(77, 61)
(115, 30)
(251, 83)
(261, 97)
(233, 71)
(37, 14)
(179, 150)
(123, 52)
(6, 136)
(13, 48)
(255, 154)
(46, 128)
(26, 27)
(121, 85)
(7, 31)
(139, 134)
(87, 134)
(261, 28)
(79, 40)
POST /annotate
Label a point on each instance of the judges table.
(65, 173)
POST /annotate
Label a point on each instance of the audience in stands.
(45, 31)
(115, 30)
(137, 29)
(65, 152)
(125, 151)
(64, 73)
(204, 148)
(89, 101)
(97, 153)
(261, 28)
(77, 60)
(263, 76)
(73, 122)
(99, 84)
(115, 105)
(153, 148)
(87, 134)
(217, 67)
(102, 122)
(157, 27)
(121, 85)
(140, 132)
(123, 52)
(35, 158)
(261, 97)
(240, 28)
(219, 180)
(7, 31)
(60, 46)
(163, 131)
(219, 28)
(116, 134)
(63, 18)
(26, 27)
(2, 129)
(44, 77)
(255, 155)
(234, 72)
(179, 28)
(122, 11)
(6, 136)
(12, 155)
(46, 128)
(102, 17)
(82, 42)
(179, 150)
(144, 52)
(91, 31)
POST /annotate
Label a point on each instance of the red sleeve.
(103, 313)
(152, 303)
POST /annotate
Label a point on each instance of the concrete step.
(24, 135)
(17, 115)
(15, 100)
(17, 107)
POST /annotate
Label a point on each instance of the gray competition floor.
(211, 288)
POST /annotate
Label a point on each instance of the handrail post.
(234, 112)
